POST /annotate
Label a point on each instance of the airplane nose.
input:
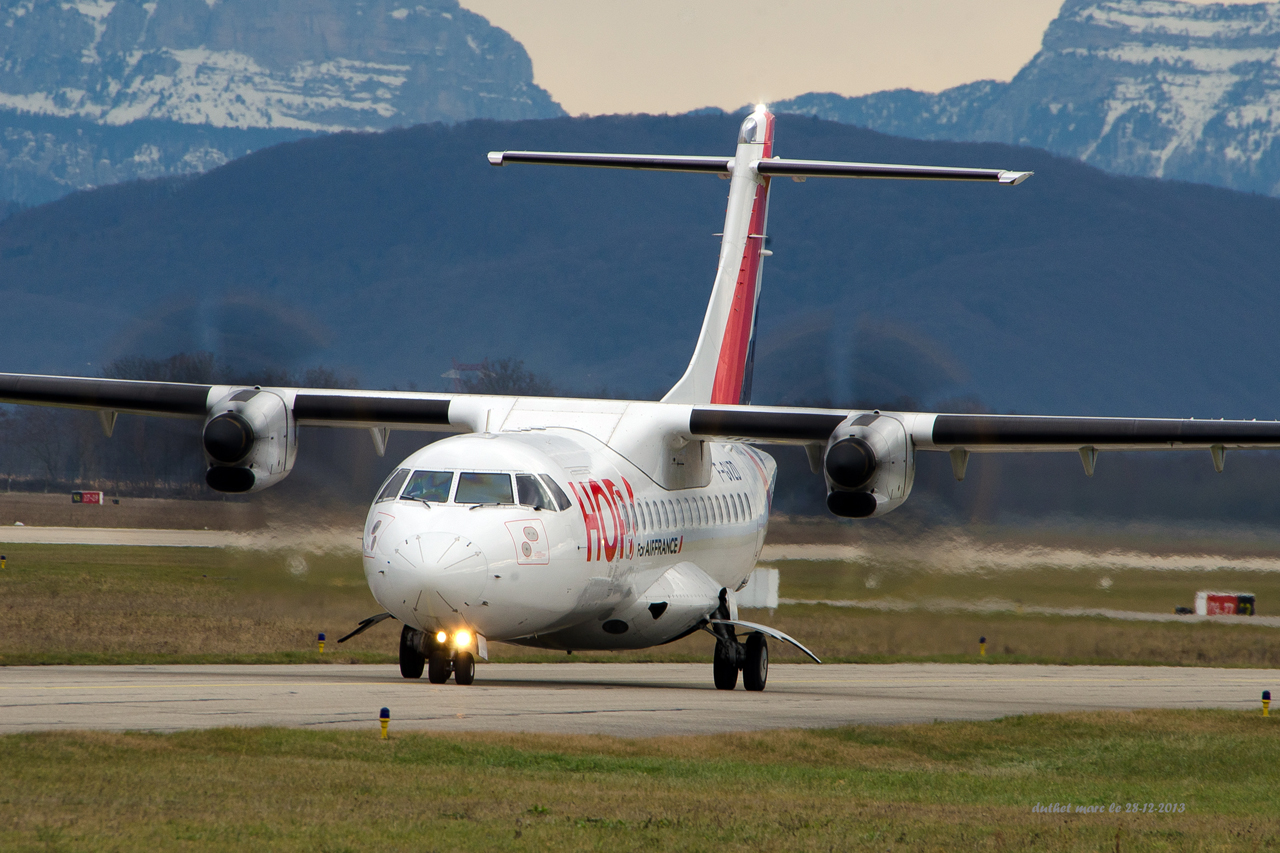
(450, 566)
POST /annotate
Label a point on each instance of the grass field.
(944, 786)
(1152, 591)
(82, 604)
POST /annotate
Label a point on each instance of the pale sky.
(670, 56)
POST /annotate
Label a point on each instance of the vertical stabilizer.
(721, 368)
(720, 371)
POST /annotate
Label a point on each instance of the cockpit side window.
(391, 487)
(428, 486)
(531, 492)
(484, 489)
(557, 493)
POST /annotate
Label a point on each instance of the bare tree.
(508, 376)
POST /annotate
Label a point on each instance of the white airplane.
(601, 524)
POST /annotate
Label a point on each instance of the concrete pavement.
(573, 698)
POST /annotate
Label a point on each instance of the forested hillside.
(387, 256)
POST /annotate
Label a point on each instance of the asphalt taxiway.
(636, 700)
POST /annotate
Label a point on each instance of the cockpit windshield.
(557, 493)
(428, 486)
(391, 488)
(531, 492)
(484, 489)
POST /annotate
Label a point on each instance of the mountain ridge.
(1159, 89)
(97, 91)
(388, 255)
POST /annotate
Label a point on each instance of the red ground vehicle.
(1225, 604)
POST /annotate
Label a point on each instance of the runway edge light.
(1266, 703)
(320, 641)
(384, 717)
(982, 646)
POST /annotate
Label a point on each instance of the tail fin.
(721, 368)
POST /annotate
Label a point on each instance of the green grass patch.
(153, 659)
(897, 578)
(127, 605)
(943, 786)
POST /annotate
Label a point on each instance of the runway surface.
(637, 700)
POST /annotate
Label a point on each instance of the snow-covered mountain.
(287, 67)
(1137, 87)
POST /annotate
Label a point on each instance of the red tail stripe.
(732, 363)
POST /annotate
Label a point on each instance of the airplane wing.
(250, 433)
(868, 458)
(309, 406)
(412, 410)
(990, 433)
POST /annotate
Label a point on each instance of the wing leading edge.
(310, 406)
(988, 433)
(764, 424)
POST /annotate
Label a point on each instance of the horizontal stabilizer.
(657, 162)
(777, 167)
(771, 167)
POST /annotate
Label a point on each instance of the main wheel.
(755, 669)
(464, 668)
(411, 659)
(724, 665)
(439, 666)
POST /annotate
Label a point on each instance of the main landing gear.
(419, 651)
(751, 657)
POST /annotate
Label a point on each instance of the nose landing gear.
(439, 666)
(420, 651)
(464, 668)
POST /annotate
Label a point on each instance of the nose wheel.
(437, 660)
(439, 667)
(464, 668)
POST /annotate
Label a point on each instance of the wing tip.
(1006, 177)
(495, 158)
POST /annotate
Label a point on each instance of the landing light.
(462, 639)
(441, 636)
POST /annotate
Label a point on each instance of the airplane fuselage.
(550, 537)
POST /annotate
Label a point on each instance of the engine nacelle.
(250, 441)
(869, 466)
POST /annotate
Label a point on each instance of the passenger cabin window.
(531, 492)
(391, 488)
(733, 504)
(557, 493)
(428, 486)
(484, 489)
